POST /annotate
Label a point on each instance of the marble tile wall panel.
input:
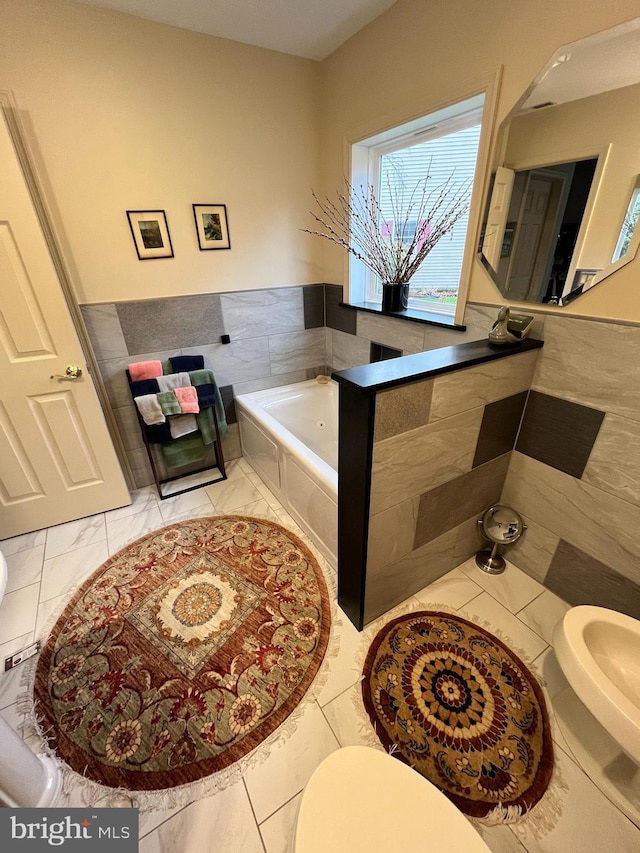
(313, 306)
(580, 579)
(296, 350)
(614, 464)
(400, 334)
(255, 313)
(413, 462)
(104, 330)
(598, 523)
(534, 550)
(567, 367)
(347, 351)
(402, 409)
(391, 584)
(128, 427)
(485, 383)
(391, 534)
(453, 502)
(467, 540)
(500, 424)
(169, 324)
(140, 467)
(558, 432)
(238, 361)
(269, 382)
(480, 318)
(339, 318)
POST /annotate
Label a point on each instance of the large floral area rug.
(183, 652)
(451, 700)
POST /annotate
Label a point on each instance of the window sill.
(411, 314)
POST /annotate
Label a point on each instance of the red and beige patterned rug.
(183, 652)
(451, 700)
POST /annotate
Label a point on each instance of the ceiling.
(308, 28)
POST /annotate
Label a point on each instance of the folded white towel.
(171, 381)
(182, 425)
(150, 409)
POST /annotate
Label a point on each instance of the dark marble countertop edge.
(425, 365)
(410, 314)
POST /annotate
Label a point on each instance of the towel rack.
(160, 480)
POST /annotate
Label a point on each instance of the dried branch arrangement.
(392, 248)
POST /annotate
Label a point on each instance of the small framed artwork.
(212, 226)
(150, 234)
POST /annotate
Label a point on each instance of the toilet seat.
(361, 799)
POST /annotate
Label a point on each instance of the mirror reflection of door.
(493, 238)
(534, 234)
(545, 213)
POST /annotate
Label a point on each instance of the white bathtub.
(289, 436)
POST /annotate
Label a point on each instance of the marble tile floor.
(257, 814)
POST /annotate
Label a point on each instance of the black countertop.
(426, 365)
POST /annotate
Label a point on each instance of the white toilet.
(599, 652)
(362, 800)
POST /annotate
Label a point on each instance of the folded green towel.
(206, 377)
(184, 451)
(169, 402)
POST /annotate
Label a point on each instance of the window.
(629, 225)
(444, 147)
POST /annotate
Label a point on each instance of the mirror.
(564, 200)
(501, 526)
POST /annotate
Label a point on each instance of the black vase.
(395, 297)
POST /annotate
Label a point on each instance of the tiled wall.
(440, 458)
(575, 475)
(277, 336)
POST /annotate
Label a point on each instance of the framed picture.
(212, 226)
(150, 234)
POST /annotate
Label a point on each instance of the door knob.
(72, 372)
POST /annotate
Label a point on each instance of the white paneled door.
(57, 461)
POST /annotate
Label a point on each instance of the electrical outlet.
(13, 660)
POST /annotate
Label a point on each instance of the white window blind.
(435, 285)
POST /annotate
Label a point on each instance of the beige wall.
(422, 54)
(128, 114)
(125, 113)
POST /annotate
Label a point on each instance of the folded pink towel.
(188, 399)
(145, 370)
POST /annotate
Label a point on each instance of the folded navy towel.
(144, 386)
(158, 433)
(206, 395)
(185, 363)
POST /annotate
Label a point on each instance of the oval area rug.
(183, 652)
(452, 701)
